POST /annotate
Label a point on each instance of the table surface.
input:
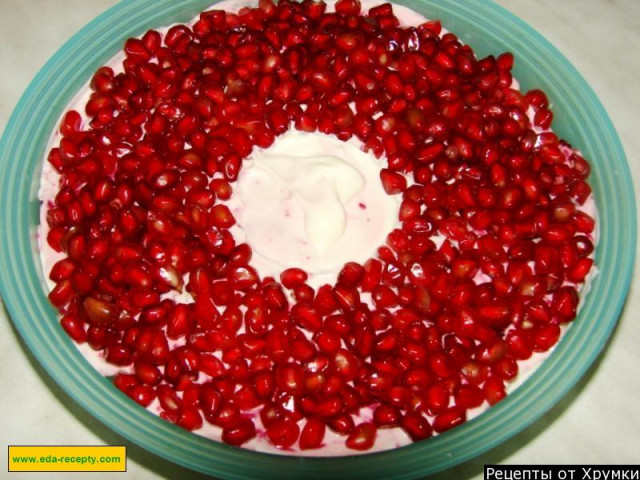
(598, 422)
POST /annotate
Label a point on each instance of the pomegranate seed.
(416, 426)
(221, 217)
(289, 378)
(61, 293)
(74, 328)
(392, 182)
(147, 373)
(537, 98)
(283, 433)
(243, 278)
(240, 432)
(306, 316)
(494, 390)
(546, 337)
(293, 277)
(448, 419)
(565, 303)
(580, 270)
(190, 419)
(543, 118)
(351, 274)
(469, 396)
(371, 275)
(227, 416)
(584, 222)
(71, 123)
(362, 437)
(312, 434)
(98, 311)
(386, 416)
(346, 364)
(348, 7)
(342, 424)
(347, 298)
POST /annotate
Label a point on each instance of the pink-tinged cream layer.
(310, 201)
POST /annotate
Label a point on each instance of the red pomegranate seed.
(221, 217)
(416, 426)
(345, 364)
(289, 378)
(494, 390)
(392, 182)
(240, 432)
(168, 399)
(362, 437)
(546, 337)
(306, 316)
(342, 424)
(580, 270)
(293, 277)
(71, 123)
(243, 278)
(386, 416)
(98, 311)
(565, 303)
(142, 394)
(584, 222)
(371, 275)
(147, 373)
(469, 396)
(348, 7)
(449, 418)
(283, 433)
(351, 274)
(74, 328)
(227, 415)
(312, 434)
(61, 293)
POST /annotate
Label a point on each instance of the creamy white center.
(311, 201)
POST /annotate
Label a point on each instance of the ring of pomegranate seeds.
(140, 214)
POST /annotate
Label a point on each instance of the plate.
(579, 118)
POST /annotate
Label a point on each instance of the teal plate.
(489, 29)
